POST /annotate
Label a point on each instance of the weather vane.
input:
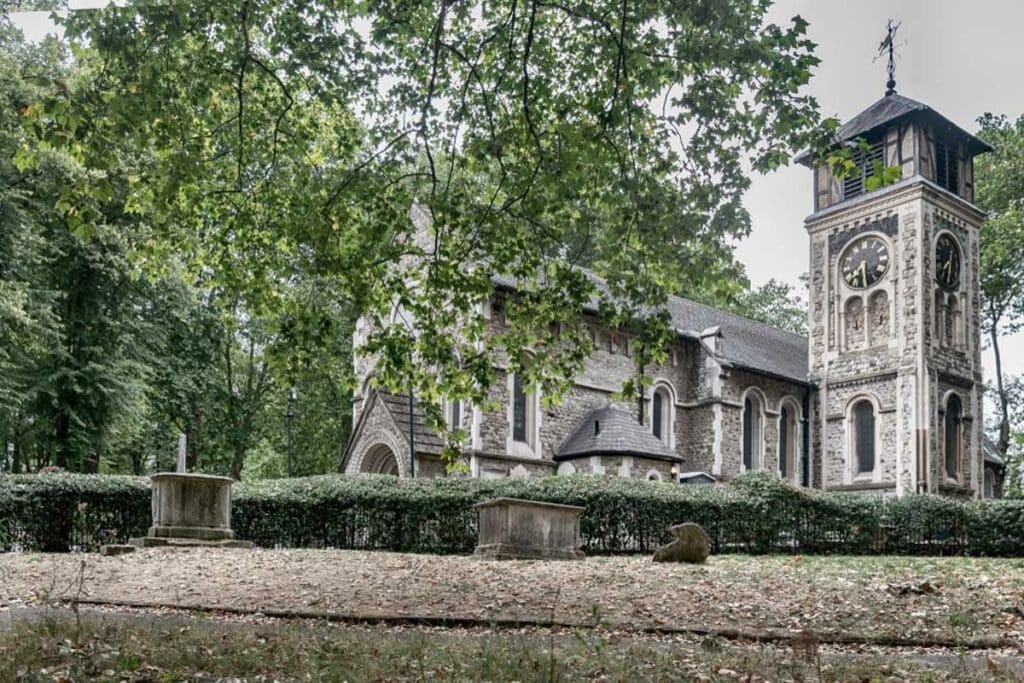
(889, 45)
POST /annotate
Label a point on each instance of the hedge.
(756, 513)
(61, 512)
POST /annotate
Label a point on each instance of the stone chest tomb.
(524, 529)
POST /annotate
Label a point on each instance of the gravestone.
(191, 510)
(511, 528)
(690, 545)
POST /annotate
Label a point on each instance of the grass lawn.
(143, 646)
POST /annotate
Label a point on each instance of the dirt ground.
(944, 598)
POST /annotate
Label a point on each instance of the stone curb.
(796, 638)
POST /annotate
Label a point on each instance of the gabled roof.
(612, 431)
(746, 343)
(425, 438)
(891, 108)
(397, 405)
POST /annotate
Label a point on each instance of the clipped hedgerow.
(57, 512)
(755, 513)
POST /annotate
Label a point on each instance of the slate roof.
(619, 433)
(425, 438)
(746, 343)
(989, 451)
(891, 108)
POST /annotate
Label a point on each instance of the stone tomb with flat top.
(190, 510)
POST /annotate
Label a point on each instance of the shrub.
(60, 512)
(755, 513)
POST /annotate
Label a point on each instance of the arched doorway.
(380, 460)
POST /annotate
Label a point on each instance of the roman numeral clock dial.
(865, 262)
(947, 262)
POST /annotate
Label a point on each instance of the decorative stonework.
(893, 337)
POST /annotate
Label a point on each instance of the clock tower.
(894, 336)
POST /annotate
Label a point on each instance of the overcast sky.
(961, 58)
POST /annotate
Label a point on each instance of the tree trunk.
(1003, 444)
(15, 442)
(237, 462)
(61, 433)
(138, 454)
(91, 463)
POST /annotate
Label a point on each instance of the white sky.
(961, 58)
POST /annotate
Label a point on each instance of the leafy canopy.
(1000, 191)
(283, 142)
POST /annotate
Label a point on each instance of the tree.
(28, 327)
(774, 303)
(103, 362)
(283, 142)
(1000, 191)
(70, 373)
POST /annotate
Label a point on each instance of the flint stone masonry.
(512, 529)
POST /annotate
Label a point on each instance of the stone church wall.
(839, 460)
(604, 373)
(771, 393)
(696, 438)
(629, 466)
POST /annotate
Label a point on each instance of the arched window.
(653, 475)
(954, 322)
(953, 421)
(864, 436)
(519, 409)
(990, 483)
(656, 414)
(752, 432)
(788, 467)
(661, 414)
(454, 414)
(522, 417)
(854, 314)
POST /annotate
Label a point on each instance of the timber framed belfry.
(895, 342)
(883, 396)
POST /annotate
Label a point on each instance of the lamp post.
(293, 396)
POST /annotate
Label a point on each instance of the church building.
(883, 396)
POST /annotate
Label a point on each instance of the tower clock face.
(865, 262)
(947, 262)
